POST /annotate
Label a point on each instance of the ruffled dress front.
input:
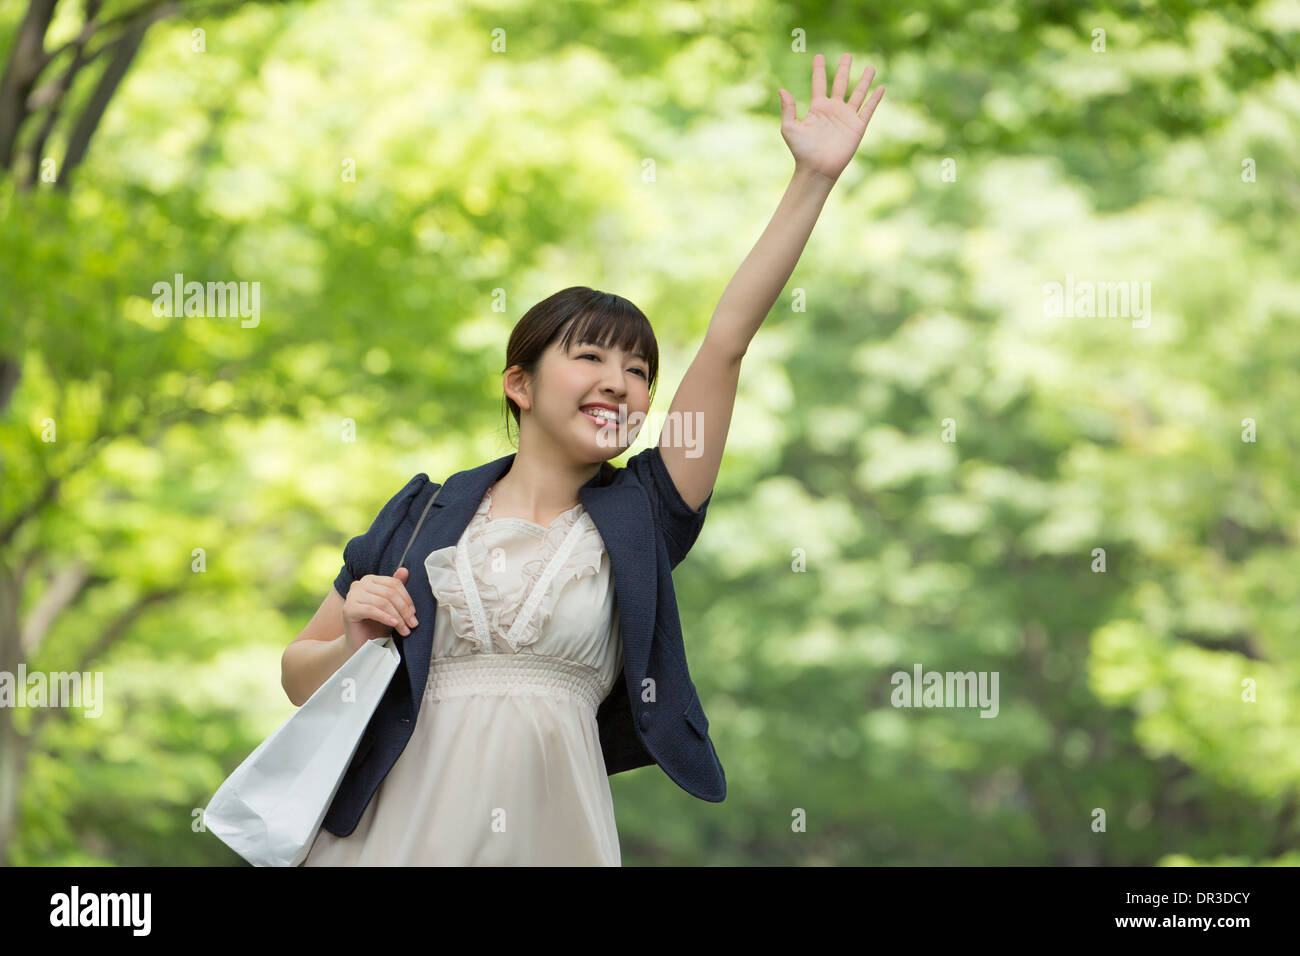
(504, 766)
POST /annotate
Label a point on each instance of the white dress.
(504, 765)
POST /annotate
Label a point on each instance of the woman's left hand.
(826, 138)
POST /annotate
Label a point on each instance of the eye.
(640, 371)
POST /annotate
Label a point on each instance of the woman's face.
(586, 375)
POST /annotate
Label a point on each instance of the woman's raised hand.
(826, 138)
(375, 606)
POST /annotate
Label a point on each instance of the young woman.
(542, 578)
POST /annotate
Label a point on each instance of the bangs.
(623, 329)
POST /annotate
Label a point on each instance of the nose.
(613, 383)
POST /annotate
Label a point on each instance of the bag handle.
(411, 540)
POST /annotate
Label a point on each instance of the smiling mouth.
(599, 419)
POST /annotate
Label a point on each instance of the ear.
(518, 386)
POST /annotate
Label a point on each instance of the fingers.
(819, 78)
(383, 613)
(787, 108)
(388, 595)
(397, 593)
(841, 78)
(871, 104)
(860, 91)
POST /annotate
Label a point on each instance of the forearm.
(307, 664)
(761, 277)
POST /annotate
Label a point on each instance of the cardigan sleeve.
(361, 555)
(679, 524)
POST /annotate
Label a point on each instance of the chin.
(606, 452)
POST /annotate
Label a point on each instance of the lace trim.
(440, 566)
(570, 549)
(587, 564)
(538, 591)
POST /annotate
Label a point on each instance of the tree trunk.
(13, 746)
(26, 61)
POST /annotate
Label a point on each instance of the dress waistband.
(510, 674)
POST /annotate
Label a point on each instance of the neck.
(542, 482)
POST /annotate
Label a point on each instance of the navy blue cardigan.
(647, 528)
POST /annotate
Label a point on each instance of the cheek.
(565, 389)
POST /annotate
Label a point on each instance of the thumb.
(402, 573)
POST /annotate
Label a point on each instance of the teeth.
(605, 413)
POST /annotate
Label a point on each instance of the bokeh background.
(925, 466)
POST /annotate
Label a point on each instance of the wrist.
(806, 175)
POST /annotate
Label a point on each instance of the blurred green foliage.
(1009, 153)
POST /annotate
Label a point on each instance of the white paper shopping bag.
(271, 808)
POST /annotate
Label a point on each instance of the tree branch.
(89, 31)
(107, 638)
(68, 584)
(157, 420)
(88, 121)
(50, 490)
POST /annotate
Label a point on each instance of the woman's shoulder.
(411, 491)
(362, 554)
(394, 510)
(679, 522)
(649, 470)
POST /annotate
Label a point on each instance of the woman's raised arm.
(822, 144)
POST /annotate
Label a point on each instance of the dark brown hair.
(579, 314)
